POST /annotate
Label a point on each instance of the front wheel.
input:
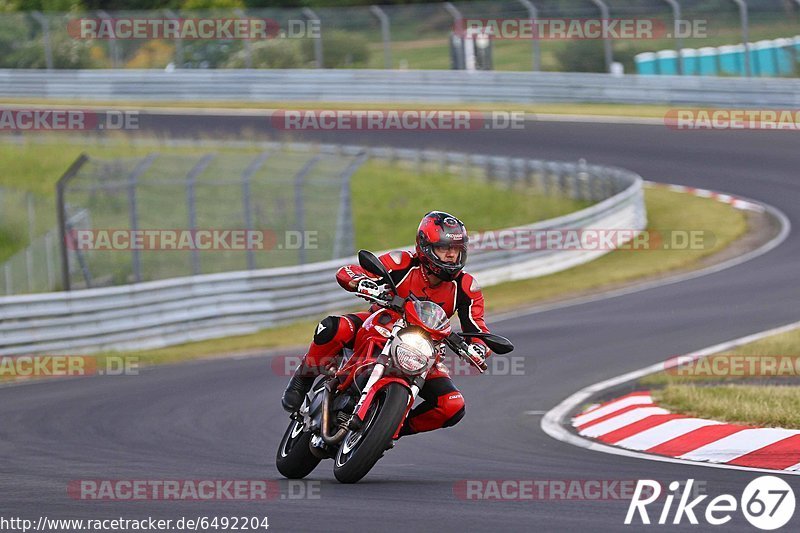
(294, 459)
(361, 449)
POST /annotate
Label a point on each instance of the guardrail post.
(455, 13)
(442, 162)
(418, 161)
(745, 35)
(299, 204)
(607, 51)
(7, 277)
(178, 41)
(31, 228)
(535, 48)
(676, 17)
(133, 177)
(112, 42)
(191, 204)
(459, 58)
(247, 204)
(61, 212)
(48, 257)
(248, 47)
(344, 243)
(311, 15)
(48, 47)
(387, 40)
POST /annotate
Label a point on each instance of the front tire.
(361, 449)
(294, 459)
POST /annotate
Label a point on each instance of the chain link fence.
(298, 197)
(27, 222)
(414, 36)
(190, 215)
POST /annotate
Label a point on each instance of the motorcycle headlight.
(412, 352)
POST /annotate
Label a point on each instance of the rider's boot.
(298, 387)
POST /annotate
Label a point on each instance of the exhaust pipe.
(337, 437)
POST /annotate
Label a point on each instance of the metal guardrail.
(172, 311)
(414, 86)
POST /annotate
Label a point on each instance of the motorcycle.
(355, 410)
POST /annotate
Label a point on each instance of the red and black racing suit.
(443, 405)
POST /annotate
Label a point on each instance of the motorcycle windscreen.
(430, 316)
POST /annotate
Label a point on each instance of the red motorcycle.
(356, 409)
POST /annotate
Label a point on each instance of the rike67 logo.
(767, 503)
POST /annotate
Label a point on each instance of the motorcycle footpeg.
(355, 423)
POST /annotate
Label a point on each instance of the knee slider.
(326, 330)
(455, 408)
(455, 419)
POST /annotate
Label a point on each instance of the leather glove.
(477, 352)
(368, 287)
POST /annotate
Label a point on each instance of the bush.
(582, 56)
(273, 53)
(152, 54)
(68, 53)
(587, 55)
(339, 49)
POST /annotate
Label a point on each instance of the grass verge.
(207, 106)
(761, 390)
(666, 209)
(757, 405)
(382, 214)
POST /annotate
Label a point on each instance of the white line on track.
(669, 280)
(553, 423)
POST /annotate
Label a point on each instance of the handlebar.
(454, 341)
(461, 348)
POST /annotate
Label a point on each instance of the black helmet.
(441, 229)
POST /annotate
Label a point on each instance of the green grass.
(388, 202)
(37, 166)
(765, 406)
(516, 55)
(760, 401)
(666, 211)
(783, 344)
(626, 110)
(662, 206)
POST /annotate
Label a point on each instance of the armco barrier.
(173, 311)
(412, 86)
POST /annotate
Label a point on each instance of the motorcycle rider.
(435, 273)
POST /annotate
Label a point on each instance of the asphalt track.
(222, 419)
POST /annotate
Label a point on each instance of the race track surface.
(222, 419)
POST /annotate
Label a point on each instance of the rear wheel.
(361, 449)
(294, 459)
